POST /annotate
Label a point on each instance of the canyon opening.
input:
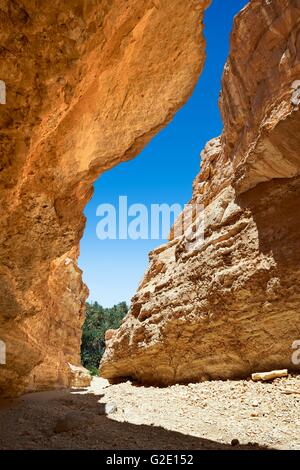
(199, 346)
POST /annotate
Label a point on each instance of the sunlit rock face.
(261, 93)
(88, 83)
(230, 305)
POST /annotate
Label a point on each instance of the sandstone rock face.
(80, 377)
(229, 305)
(88, 84)
(261, 93)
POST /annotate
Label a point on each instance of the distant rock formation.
(87, 83)
(230, 305)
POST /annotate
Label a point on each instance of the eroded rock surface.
(230, 305)
(88, 84)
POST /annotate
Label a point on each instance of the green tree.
(98, 320)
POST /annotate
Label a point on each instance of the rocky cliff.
(88, 83)
(229, 304)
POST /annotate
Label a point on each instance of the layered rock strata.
(228, 304)
(88, 83)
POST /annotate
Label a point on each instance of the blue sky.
(162, 173)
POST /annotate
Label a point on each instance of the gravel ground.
(208, 415)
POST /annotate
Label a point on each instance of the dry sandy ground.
(197, 416)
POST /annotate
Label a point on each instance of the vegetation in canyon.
(98, 320)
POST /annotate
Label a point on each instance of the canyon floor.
(208, 415)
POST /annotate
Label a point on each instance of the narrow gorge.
(229, 305)
(88, 83)
(207, 354)
(87, 86)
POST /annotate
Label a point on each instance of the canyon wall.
(228, 303)
(88, 83)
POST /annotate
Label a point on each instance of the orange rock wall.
(89, 82)
(230, 305)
